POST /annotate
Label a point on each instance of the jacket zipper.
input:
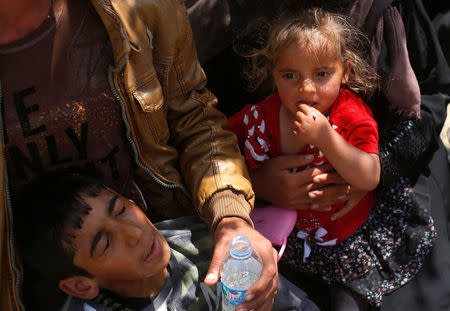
(9, 207)
(128, 130)
(111, 71)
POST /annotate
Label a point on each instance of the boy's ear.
(80, 286)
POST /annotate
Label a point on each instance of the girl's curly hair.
(319, 32)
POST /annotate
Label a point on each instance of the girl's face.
(308, 78)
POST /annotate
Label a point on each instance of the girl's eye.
(289, 75)
(322, 74)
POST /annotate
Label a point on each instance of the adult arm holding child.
(315, 188)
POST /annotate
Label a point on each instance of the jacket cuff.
(226, 203)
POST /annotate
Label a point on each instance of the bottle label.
(232, 296)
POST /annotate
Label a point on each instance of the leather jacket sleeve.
(209, 157)
(178, 134)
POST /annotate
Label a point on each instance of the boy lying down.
(101, 250)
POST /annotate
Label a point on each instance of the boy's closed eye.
(99, 244)
(106, 242)
(121, 210)
(101, 240)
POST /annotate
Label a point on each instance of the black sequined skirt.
(385, 253)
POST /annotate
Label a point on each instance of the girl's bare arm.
(357, 167)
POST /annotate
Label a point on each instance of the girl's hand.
(311, 125)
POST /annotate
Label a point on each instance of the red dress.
(258, 130)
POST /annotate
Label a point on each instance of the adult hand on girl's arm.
(352, 195)
(275, 182)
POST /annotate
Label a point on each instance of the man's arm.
(210, 160)
(212, 165)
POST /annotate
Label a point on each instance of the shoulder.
(188, 235)
(259, 110)
(349, 110)
(158, 6)
(267, 104)
(168, 18)
(77, 304)
(173, 228)
(143, 7)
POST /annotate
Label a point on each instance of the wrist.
(325, 138)
(234, 221)
(227, 205)
(230, 225)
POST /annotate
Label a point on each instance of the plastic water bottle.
(241, 267)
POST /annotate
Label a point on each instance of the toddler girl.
(317, 66)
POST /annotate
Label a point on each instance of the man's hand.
(315, 188)
(261, 295)
(275, 182)
(354, 197)
(338, 192)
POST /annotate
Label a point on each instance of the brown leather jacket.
(173, 127)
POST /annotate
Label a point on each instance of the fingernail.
(314, 206)
(241, 309)
(211, 277)
(249, 297)
(312, 194)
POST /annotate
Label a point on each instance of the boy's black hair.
(43, 211)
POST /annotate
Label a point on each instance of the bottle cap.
(240, 247)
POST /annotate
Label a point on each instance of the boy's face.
(117, 242)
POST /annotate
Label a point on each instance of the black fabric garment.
(439, 12)
(430, 290)
(347, 300)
